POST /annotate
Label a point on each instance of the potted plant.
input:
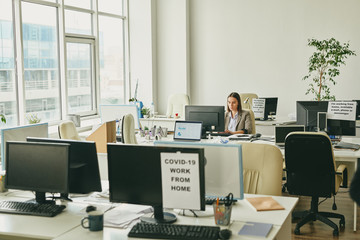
(145, 112)
(324, 66)
(2, 118)
(33, 118)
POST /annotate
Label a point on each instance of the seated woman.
(237, 120)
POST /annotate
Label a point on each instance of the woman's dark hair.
(237, 96)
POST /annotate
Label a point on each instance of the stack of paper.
(124, 215)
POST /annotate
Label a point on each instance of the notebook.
(255, 229)
(264, 204)
(187, 131)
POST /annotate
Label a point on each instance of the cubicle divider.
(20, 133)
(116, 112)
(223, 167)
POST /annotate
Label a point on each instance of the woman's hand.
(228, 131)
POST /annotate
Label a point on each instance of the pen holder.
(222, 214)
(2, 183)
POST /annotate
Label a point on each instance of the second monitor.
(212, 117)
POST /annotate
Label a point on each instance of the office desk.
(268, 127)
(31, 227)
(241, 213)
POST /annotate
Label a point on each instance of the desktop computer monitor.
(212, 117)
(223, 167)
(357, 109)
(270, 107)
(308, 113)
(39, 167)
(135, 176)
(84, 176)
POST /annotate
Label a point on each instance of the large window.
(41, 64)
(111, 60)
(80, 75)
(70, 58)
(8, 100)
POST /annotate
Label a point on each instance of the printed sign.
(180, 180)
(258, 107)
(340, 110)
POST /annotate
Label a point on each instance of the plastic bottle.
(152, 109)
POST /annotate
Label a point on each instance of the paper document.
(124, 215)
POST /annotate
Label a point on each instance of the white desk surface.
(241, 213)
(67, 224)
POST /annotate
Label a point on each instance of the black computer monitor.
(212, 117)
(135, 177)
(270, 107)
(357, 109)
(84, 176)
(39, 167)
(307, 113)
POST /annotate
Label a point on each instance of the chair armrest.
(342, 170)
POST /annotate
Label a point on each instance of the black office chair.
(310, 171)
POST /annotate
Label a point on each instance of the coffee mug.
(95, 221)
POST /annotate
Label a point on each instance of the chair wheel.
(342, 223)
(283, 189)
(297, 231)
(336, 233)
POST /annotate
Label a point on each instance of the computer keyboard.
(221, 134)
(27, 208)
(174, 231)
(211, 200)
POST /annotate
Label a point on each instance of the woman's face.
(233, 104)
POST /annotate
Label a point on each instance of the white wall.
(249, 46)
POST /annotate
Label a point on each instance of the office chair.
(176, 104)
(310, 171)
(67, 130)
(253, 126)
(246, 99)
(262, 168)
(128, 130)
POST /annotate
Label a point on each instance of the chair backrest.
(128, 130)
(246, 99)
(253, 126)
(262, 168)
(67, 130)
(310, 167)
(176, 104)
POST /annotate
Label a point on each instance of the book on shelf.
(264, 204)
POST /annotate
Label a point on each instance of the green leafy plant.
(2, 118)
(324, 66)
(145, 111)
(33, 118)
(132, 100)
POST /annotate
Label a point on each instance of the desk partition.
(20, 133)
(223, 167)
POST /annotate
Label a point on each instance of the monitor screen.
(135, 176)
(212, 117)
(270, 106)
(357, 109)
(186, 130)
(281, 131)
(84, 176)
(307, 113)
(39, 167)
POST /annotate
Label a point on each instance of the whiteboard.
(116, 112)
(223, 167)
(20, 133)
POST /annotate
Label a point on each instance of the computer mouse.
(225, 234)
(90, 208)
